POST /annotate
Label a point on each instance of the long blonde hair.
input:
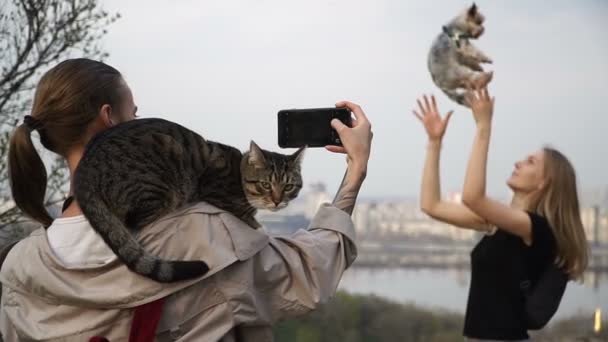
(558, 203)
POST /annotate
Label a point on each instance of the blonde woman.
(541, 226)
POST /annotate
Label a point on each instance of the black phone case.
(310, 127)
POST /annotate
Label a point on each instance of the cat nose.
(276, 199)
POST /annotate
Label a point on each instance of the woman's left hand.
(481, 104)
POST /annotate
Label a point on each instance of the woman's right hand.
(434, 124)
(356, 143)
(356, 140)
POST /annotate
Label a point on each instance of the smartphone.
(310, 127)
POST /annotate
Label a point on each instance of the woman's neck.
(519, 201)
(73, 158)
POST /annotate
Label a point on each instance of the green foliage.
(361, 318)
(357, 318)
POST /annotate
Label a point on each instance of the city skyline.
(389, 218)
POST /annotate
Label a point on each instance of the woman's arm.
(356, 143)
(430, 190)
(302, 270)
(514, 221)
(349, 190)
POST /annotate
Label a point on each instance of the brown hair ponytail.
(67, 99)
(27, 175)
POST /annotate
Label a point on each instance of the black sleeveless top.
(499, 265)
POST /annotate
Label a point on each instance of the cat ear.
(256, 156)
(472, 10)
(297, 156)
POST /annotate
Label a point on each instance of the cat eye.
(288, 187)
(265, 185)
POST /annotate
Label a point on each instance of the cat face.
(271, 180)
(469, 22)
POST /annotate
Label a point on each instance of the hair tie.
(32, 123)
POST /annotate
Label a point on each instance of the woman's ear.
(105, 112)
(542, 185)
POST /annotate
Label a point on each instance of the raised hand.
(481, 104)
(356, 141)
(433, 123)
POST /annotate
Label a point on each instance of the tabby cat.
(136, 172)
(453, 61)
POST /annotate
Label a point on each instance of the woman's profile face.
(127, 110)
(528, 174)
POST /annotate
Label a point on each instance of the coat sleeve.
(7, 331)
(294, 274)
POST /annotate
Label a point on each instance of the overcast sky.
(225, 68)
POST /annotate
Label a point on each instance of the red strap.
(98, 339)
(145, 321)
(144, 324)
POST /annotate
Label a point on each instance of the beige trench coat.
(254, 280)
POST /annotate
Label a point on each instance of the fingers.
(422, 110)
(355, 109)
(486, 94)
(480, 93)
(428, 107)
(469, 93)
(335, 149)
(338, 126)
(475, 92)
(446, 120)
(426, 103)
(469, 98)
(469, 85)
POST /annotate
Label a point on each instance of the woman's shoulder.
(203, 223)
(542, 232)
(539, 222)
(199, 232)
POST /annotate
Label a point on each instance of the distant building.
(314, 198)
(283, 225)
(595, 222)
(298, 213)
(596, 196)
(403, 219)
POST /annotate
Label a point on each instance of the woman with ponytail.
(63, 283)
(69, 98)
